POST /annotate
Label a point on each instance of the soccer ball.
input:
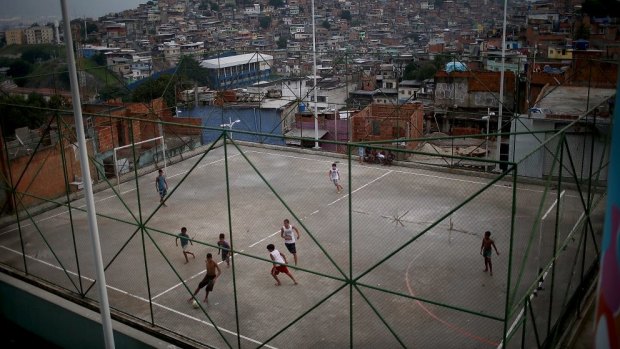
(195, 304)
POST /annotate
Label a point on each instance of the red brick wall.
(106, 138)
(464, 131)
(181, 130)
(404, 120)
(43, 175)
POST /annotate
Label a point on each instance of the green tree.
(151, 89)
(410, 71)
(18, 111)
(440, 61)
(91, 28)
(99, 59)
(582, 32)
(264, 21)
(35, 54)
(282, 42)
(5, 61)
(276, 3)
(346, 15)
(326, 24)
(57, 102)
(113, 92)
(190, 69)
(18, 70)
(601, 8)
(426, 71)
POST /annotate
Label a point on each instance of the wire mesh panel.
(389, 248)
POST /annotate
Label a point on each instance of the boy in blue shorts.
(185, 242)
(486, 251)
(224, 247)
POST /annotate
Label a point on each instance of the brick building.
(379, 122)
(106, 125)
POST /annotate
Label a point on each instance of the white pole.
(116, 172)
(486, 143)
(163, 146)
(106, 321)
(336, 126)
(163, 142)
(316, 118)
(230, 126)
(486, 140)
(498, 144)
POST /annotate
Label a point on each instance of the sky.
(48, 10)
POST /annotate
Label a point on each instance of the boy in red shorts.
(279, 265)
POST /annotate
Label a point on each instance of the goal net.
(130, 157)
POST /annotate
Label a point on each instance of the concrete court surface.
(391, 260)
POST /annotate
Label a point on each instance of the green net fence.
(391, 260)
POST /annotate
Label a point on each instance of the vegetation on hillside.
(601, 8)
(188, 74)
(425, 70)
(18, 111)
(44, 66)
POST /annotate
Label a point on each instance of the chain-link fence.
(392, 259)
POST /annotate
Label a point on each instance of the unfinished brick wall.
(589, 70)
(394, 121)
(43, 176)
(472, 89)
(158, 111)
(106, 138)
(182, 130)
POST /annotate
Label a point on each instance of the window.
(376, 128)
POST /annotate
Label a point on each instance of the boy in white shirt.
(334, 176)
(279, 265)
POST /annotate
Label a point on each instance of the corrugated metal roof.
(232, 61)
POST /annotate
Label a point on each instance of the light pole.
(486, 139)
(93, 227)
(230, 125)
(498, 140)
(316, 117)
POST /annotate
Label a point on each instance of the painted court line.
(331, 203)
(540, 282)
(211, 325)
(450, 325)
(263, 239)
(406, 172)
(110, 197)
(360, 188)
(552, 206)
(185, 281)
(142, 299)
(62, 213)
